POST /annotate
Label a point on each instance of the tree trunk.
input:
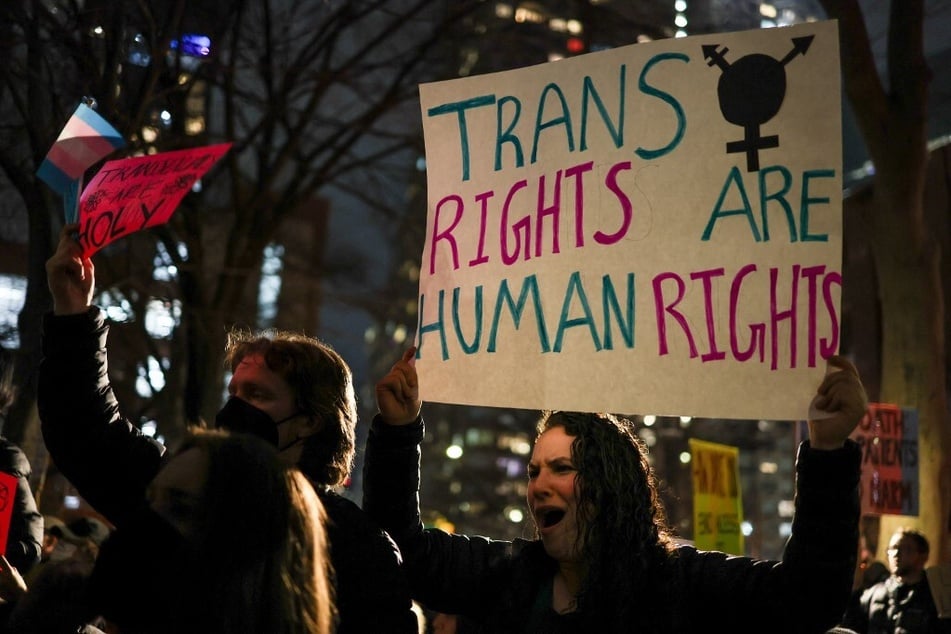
(905, 250)
(913, 364)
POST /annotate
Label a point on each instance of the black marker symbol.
(751, 92)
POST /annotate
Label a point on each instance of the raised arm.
(102, 454)
(456, 574)
(71, 277)
(809, 589)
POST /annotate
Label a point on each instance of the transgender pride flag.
(86, 139)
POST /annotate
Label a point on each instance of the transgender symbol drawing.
(751, 91)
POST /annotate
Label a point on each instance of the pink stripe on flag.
(74, 156)
(76, 128)
(67, 161)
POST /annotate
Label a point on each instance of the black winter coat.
(505, 586)
(110, 462)
(890, 607)
(25, 537)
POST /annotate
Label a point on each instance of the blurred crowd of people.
(240, 529)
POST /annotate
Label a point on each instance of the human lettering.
(588, 316)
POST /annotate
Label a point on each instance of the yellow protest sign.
(717, 497)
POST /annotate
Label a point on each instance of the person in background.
(902, 603)
(56, 600)
(226, 539)
(604, 560)
(77, 541)
(294, 391)
(25, 537)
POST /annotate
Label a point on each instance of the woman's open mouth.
(549, 517)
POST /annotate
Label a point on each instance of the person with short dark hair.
(902, 603)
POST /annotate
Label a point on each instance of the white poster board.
(650, 229)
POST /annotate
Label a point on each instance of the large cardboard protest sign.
(717, 497)
(132, 194)
(650, 229)
(888, 436)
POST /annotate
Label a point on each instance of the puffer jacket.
(505, 586)
(110, 462)
(890, 607)
(25, 535)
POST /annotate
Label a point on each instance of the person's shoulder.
(12, 459)
(355, 540)
(347, 522)
(879, 589)
(342, 510)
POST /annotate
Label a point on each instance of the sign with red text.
(132, 194)
(717, 497)
(888, 435)
(8, 492)
(655, 228)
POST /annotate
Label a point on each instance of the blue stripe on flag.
(94, 120)
(53, 176)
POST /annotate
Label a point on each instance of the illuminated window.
(151, 379)
(269, 289)
(163, 266)
(162, 317)
(12, 297)
(194, 125)
(523, 14)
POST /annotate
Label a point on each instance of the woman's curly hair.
(624, 537)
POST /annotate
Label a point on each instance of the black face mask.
(140, 572)
(239, 416)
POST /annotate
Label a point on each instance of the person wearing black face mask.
(240, 416)
(224, 514)
(294, 391)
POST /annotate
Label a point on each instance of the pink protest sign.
(132, 194)
(8, 491)
(888, 436)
